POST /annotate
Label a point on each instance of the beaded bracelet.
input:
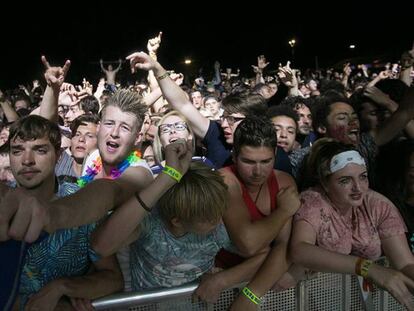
(251, 296)
(163, 76)
(172, 172)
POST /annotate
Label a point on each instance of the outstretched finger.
(160, 35)
(45, 62)
(66, 67)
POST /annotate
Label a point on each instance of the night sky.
(84, 35)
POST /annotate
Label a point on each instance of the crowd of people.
(231, 179)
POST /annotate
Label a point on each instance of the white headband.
(342, 159)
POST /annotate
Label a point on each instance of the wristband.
(172, 172)
(163, 76)
(144, 206)
(251, 296)
(362, 266)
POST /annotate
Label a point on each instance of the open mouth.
(353, 134)
(173, 140)
(112, 146)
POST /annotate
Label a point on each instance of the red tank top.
(225, 259)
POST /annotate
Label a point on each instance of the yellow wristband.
(362, 266)
(172, 172)
(365, 267)
(251, 296)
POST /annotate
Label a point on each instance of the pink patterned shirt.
(360, 233)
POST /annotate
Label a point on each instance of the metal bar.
(150, 296)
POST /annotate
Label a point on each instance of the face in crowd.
(285, 131)
(254, 164)
(173, 128)
(118, 133)
(342, 124)
(33, 161)
(84, 141)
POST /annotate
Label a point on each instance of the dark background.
(202, 31)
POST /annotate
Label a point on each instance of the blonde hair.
(200, 196)
(157, 147)
(130, 102)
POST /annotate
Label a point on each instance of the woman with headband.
(343, 225)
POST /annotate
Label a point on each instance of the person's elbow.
(295, 253)
(249, 247)
(101, 246)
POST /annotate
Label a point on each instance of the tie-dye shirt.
(159, 259)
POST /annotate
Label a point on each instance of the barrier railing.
(319, 292)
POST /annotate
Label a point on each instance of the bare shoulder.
(137, 176)
(284, 179)
(229, 178)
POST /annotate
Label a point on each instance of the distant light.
(187, 61)
(292, 42)
(352, 46)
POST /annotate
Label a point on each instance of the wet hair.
(254, 131)
(200, 196)
(33, 127)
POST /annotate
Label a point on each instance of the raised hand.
(55, 76)
(287, 75)
(178, 78)
(347, 69)
(141, 60)
(178, 154)
(261, 64)
(154, 43)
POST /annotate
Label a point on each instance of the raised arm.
(54, 76)
(123, 223)
(8, 110)
(176, 97)
(398, 120)
(258, 70)
(102, 66)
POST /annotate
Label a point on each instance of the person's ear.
(139, 137)
(321, 129)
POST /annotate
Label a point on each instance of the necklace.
(257, 195)
(92, 171)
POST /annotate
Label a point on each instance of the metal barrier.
(321, 292)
